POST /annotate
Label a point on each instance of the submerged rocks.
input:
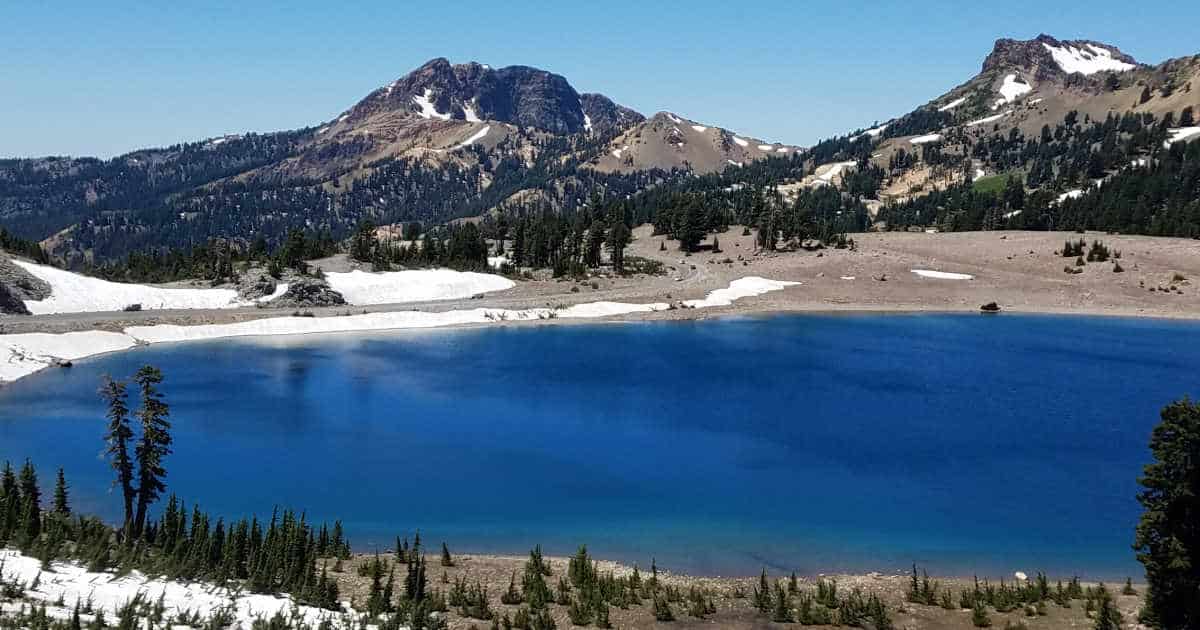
(308, 292)
(18, 285)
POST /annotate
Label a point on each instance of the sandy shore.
(731, 595)
(1018, 270)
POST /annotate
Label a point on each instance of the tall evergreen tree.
(1168, 535)
(118, 435)
(154, 445)
(61, 504)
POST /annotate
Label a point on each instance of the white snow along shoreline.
(70, 583)
(25, 354)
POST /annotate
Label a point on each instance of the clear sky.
(102, 78)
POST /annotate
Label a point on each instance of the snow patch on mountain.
(740, 142)
(700, 128)
(1012, 89)
(475, 137)
(362, 289)
(75, 293)
(587, 123)
(988, 119)
(1087, 60)
(952, 104)
(1181, 134)
(471, 116)
(927, 138)
(428, 110)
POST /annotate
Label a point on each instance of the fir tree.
(61, 506)
(447, 560)
(118, 435)
(1167, 540)
(153, 446)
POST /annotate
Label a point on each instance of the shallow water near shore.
(814, 443)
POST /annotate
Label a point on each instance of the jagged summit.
(1045, 57)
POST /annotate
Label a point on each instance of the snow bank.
(74, 293)
(24, 354)
(1087, 60)
(29, 353)
(1011, 90)
(988, 119)
(832, 170)
(1181, 134)
(280, 289)
(476, 137)
(942, 275)
(361, 288)
(952, 104)
(740, 288)
(495, 262)
(875, 131)
(428, 110)
(933, 137)
(72, 583)
(471, 116)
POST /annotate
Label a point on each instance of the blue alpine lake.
(965, 443)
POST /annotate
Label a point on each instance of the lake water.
(966, 443)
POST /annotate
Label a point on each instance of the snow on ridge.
(1085, 61)
(931, 137)
(1181, 134)
(765, 147)
(476, 137)
(740, 142)
(1011, 90)
(428, 110)
(675, 119)
(952, 104)
(988, 119)
(700, 128)
(875, 131)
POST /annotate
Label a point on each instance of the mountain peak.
(1047, 57)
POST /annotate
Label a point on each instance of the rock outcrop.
(309, 292)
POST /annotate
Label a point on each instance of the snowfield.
(743, 287)
(363, 289)
(74, 293)
(1011, 90)
(71, 583)
(942, 275)
(933, 137)
(428, 110)
(21, 355)
(1088, 60)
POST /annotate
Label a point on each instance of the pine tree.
(1167, 539)
(118, 435)
(618, 240)
(447, 560)
(61, 506)
(154, 445)
(1107, 615)
(31, 509)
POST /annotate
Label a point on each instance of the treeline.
(217, 260)
(460, 247)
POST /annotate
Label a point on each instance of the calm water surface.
(969, 444)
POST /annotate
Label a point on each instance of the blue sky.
(103, 78)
